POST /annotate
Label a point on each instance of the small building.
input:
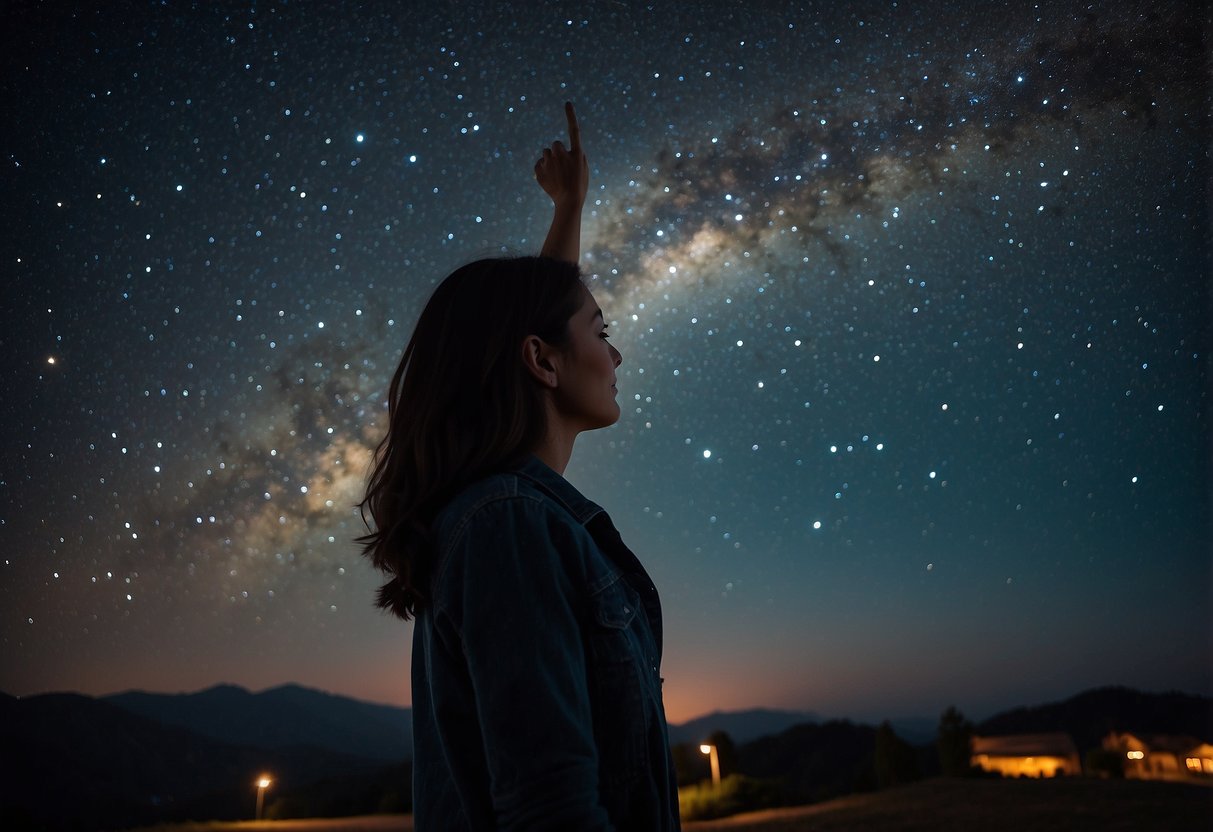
(1161, 757)
(1026, 755)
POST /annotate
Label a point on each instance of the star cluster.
(913, 307)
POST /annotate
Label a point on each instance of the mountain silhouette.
(280, 717)
(741, 726)
(73, 762)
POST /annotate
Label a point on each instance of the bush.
(1106, 762)
(736, 793)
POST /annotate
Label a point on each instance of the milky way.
(913, 308)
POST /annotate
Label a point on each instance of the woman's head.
(461, 382)
(577, 375)
(464, 402)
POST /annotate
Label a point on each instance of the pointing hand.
(564, 174)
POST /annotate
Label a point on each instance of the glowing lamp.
(710, 750)
(263, 783)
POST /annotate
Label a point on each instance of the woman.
(537, 644)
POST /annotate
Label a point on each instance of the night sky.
(914, 308)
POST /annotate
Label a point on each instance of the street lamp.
(710, 750)
(263, 783)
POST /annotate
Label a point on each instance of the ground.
(1061, 805)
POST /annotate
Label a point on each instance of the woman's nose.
(617, 356)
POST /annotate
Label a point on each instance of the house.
(1026, 755)
(1160, 757)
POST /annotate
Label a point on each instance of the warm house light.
(1026, 755)
(1162, 757)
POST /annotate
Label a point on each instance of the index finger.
(574, 130)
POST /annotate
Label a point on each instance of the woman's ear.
(537, 357)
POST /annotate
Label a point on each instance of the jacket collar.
(601, 529)
(532, 469)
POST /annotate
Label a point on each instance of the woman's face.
(585, 395)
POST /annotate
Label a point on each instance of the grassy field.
(1062, 805)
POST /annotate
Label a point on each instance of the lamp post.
(710, 750)
(263, 783)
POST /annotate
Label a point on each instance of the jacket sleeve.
(517, 611)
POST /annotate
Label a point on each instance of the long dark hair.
(461, 405)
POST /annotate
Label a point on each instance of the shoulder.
(504, 506)
(503, 535)
(468, 502)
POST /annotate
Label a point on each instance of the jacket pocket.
(615, 606)
(614, 630)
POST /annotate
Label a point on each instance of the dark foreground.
(1063, 805)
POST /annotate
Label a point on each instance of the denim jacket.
(536, 668)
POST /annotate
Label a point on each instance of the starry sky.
(913, 302)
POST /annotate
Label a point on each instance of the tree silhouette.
(955, 743)
(894, 759)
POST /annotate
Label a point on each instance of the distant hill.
(741, 726)
(1089, 716)
(281, 717)
(814, 762)
(73, 762)
(916, 730)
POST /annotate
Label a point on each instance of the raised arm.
(564, 174)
